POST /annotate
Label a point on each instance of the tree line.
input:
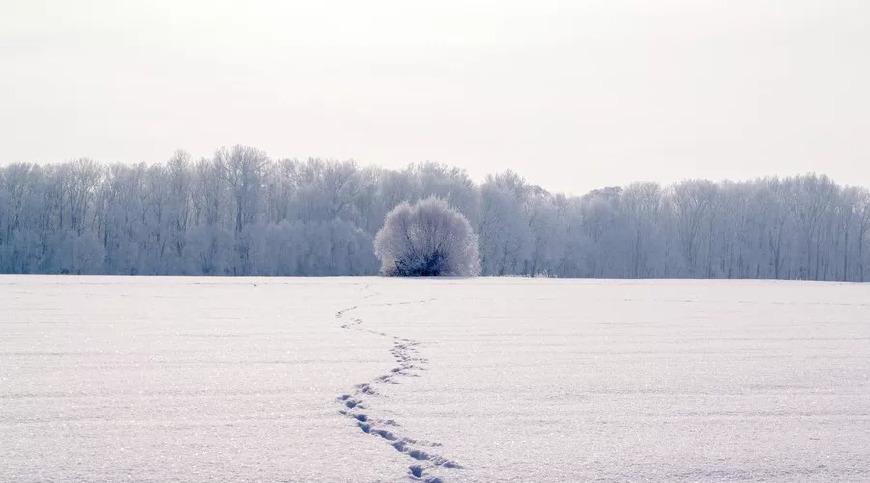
(242, 213)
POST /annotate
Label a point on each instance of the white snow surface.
(488, 379)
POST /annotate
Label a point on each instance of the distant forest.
(242, 213)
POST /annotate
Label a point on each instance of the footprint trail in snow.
(359, 404)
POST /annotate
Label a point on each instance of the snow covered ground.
(370, 379)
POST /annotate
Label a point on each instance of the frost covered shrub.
(427, 239)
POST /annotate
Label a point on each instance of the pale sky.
(572, 95)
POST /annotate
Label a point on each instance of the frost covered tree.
(427, 239)
(239, 212)
(504, 227)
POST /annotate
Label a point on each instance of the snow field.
(371, 379)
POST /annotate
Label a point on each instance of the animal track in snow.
(353, 405)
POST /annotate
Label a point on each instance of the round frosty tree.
(427, 239)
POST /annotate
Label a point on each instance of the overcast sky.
(572, 95)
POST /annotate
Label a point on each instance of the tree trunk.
(846, 255)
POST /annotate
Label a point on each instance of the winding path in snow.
(359, 404)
